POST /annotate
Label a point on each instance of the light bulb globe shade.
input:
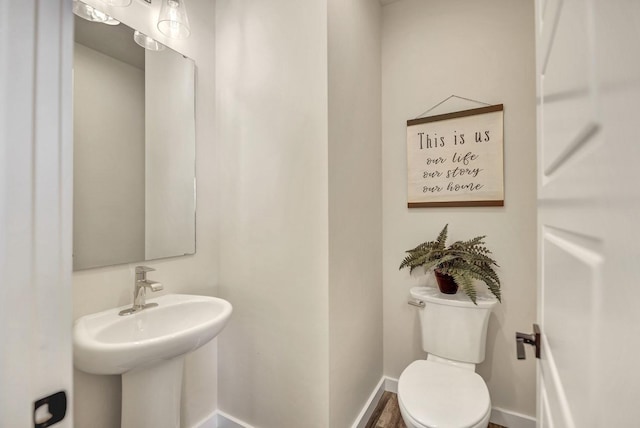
(111, 21)
(119, 3)
(173, 21)
(147, 42)
(89, 13)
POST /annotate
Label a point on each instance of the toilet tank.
(452, 326)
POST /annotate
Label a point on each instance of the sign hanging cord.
(447, 99)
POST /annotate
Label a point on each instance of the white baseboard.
(228, 421)
(370, 405)
(391, 384)
(220, 419)
(499, 416)
(510, 419)
(210, 421)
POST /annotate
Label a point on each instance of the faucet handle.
(144, 269)
(141, 272)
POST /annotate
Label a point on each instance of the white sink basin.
(106, 343)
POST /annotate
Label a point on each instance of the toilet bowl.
(440, 395)
(444, 391)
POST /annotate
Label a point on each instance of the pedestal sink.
(147, 348)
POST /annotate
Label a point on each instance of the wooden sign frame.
(456, 159)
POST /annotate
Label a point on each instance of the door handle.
(530, 339)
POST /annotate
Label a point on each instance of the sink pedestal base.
(151, 395)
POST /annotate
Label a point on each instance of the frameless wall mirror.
(134, 149)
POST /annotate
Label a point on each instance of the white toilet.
(444, 391)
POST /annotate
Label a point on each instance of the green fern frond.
(442, 237)
(466, 283)
(478, 240)
(495, 290)
(466, 261)
(425, 246)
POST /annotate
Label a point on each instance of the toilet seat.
(438, 395)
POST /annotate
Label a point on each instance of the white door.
(35, 212)
(589, 212)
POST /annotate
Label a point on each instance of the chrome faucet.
(140, 286)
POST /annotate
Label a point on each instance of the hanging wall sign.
(455, 159)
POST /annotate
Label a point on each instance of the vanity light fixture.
(89, 13)
(111, 21)
(119, 3)
(92, 14)
(173, 21)
(147, 42)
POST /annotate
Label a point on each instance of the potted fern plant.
(459, 264)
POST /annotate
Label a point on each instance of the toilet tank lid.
(433, 295)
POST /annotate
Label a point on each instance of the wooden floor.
(387, 414)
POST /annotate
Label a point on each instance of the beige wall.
(301, 229)
(482, 50)
(355, 207)
(271, 101)
(97, 398)
(108, 99)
